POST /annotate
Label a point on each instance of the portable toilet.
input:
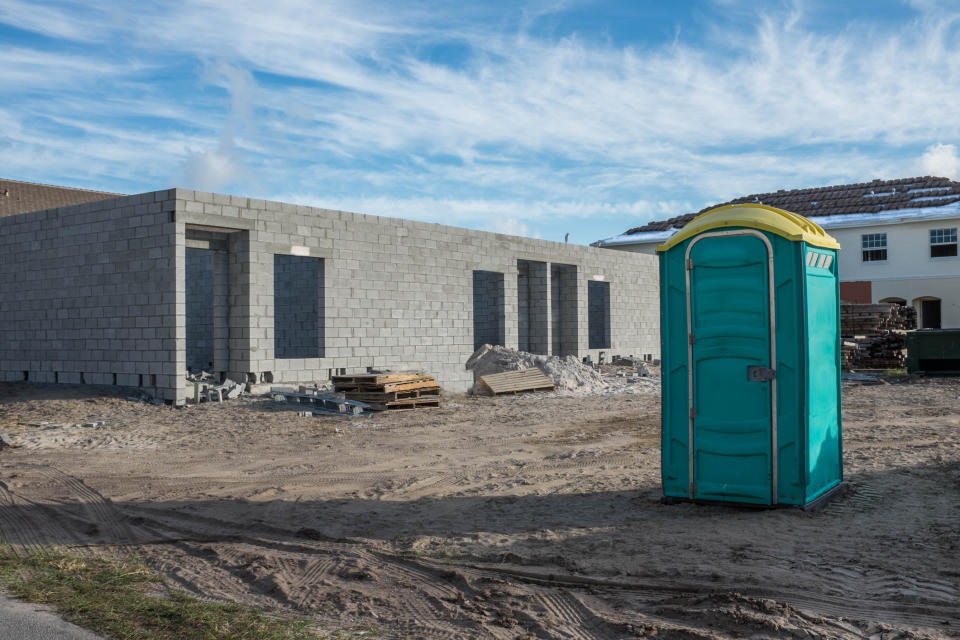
(750, 337)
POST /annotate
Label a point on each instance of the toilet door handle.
(760, 374)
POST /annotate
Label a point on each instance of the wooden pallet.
(390, 391)
(392, 396)
(406, 404)
(388, 387)
(381, 378)
(525, 380)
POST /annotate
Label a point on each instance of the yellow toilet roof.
(755, 216)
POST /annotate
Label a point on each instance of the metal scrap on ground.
(517, 381)
(314, 402)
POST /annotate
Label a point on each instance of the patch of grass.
(126, 599)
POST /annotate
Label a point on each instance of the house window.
(874, 247)
(943, 243)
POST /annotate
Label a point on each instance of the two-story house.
(899, 240)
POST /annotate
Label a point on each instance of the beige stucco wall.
(909, 272)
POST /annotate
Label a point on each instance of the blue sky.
(536, 118)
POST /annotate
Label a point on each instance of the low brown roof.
(21, 197)
(863, 197)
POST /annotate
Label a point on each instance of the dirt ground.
(519, 517)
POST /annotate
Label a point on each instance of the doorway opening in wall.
(488, 308)
(563, 309)
(533, 313)
(298, 307)
(929, 308)
(598, 314)
(207, 275)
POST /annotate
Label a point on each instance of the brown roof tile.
(862, 197)
(21, 197)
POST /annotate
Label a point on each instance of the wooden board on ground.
(517, 381)
(389, 387)
(390, 396)
(407, 403)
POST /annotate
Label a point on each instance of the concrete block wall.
(88, 295)
(489, 315)
(298, 307)
(399, 294)
(98, 293)
(199, 296)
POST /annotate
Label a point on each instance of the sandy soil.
(519, 517)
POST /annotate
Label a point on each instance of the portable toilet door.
(750, 392)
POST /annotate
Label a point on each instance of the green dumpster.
(751, 359)
(934, 351)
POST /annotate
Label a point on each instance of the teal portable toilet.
(750, 337)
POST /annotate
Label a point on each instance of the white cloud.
(941, 160)
(215, 169)
(510, 226)
(529, 133)
(212, 170)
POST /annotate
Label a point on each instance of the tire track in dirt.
(860, 606)
(16, 528)
(99, 511)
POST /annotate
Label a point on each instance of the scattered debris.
(517, 382)
(320, 403)
(205, 387)
(390, 391)
(863, 378)
(567, 373)
(5, 441)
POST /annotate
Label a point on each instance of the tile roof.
(861, 198)
(21, 197)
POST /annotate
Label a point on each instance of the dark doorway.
(930, 314)
(298, 307)
(488, 308)
(598, 314)
(533, 308)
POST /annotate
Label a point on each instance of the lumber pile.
(871, 319)
(874, 335)
(390, 391)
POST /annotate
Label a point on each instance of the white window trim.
(932, 244)
(886, 247)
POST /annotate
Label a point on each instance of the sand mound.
(567, 373)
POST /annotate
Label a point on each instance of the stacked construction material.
(874, 335)
(871, 319)
(390, 391)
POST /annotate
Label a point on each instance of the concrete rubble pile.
(567, 373)
(206, 388)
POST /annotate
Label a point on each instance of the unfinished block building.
(136, 290)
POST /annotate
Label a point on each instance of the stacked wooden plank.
(517, 381)
(874, 335)
(390, 391)
(870, 319)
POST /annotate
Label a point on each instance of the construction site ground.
(529, 516)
